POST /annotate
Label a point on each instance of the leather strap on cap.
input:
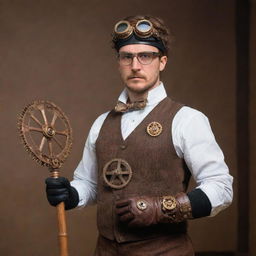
(134, 39)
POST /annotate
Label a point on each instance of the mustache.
(136, 76)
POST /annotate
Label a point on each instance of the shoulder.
(190, 127)
(189, 120)
(186, 115)
(100, 119)
(97, 124)
(95, 128)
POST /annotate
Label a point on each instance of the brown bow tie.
(136, 105)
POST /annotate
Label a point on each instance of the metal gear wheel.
(46, 133)
(117, 173)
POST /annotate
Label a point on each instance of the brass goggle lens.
(143, 28)
(123, 29)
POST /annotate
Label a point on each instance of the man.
(138, 158)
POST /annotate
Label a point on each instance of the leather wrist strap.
(176, 208)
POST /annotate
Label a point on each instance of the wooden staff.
(62, 227)
(40, 118)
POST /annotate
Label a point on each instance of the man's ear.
(163, 61)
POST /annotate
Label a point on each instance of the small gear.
(46, 133)
(154, 129)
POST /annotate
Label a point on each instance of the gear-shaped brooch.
(154, 129)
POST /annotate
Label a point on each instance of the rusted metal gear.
(46, 133)
(117, 173)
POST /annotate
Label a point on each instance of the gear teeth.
(20, 130)
(27, 138)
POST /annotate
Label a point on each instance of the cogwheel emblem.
(117, 173)
(46, 133)
(154, 129)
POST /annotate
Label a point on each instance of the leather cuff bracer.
(146, 211)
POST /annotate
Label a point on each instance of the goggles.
(143, 28)
(142, 33)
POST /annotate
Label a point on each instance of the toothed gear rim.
(46, 133)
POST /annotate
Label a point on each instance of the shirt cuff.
(200, 203)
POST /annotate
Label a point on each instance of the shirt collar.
(155, 95)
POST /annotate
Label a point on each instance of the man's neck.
(135, 96)
(139, 96)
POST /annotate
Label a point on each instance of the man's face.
(137, 77)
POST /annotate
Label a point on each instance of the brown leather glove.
(145, 211)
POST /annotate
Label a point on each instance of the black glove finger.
(56, 192)
(127, 217)
(64, 181)
(55, 200)
(53, 183)
(60, 182)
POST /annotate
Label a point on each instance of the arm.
(85, 175)
(194, 141)
(81, 191)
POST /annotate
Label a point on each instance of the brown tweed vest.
(156, 171)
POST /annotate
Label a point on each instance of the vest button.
(123, 146)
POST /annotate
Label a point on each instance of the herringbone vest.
(156, 170)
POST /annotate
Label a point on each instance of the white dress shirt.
(192, 138)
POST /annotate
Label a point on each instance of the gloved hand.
(145, 211)
(59, 190)
(139, 211)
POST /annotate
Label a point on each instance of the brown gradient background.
(60, 51)
(252, 124)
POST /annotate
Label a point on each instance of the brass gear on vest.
(117, 173)
(154, 129)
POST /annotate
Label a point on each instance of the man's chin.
(137, 87)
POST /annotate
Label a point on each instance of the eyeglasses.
(144, 58)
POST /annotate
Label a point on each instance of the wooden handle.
(63, 236)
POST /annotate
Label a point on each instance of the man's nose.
(135, 64)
